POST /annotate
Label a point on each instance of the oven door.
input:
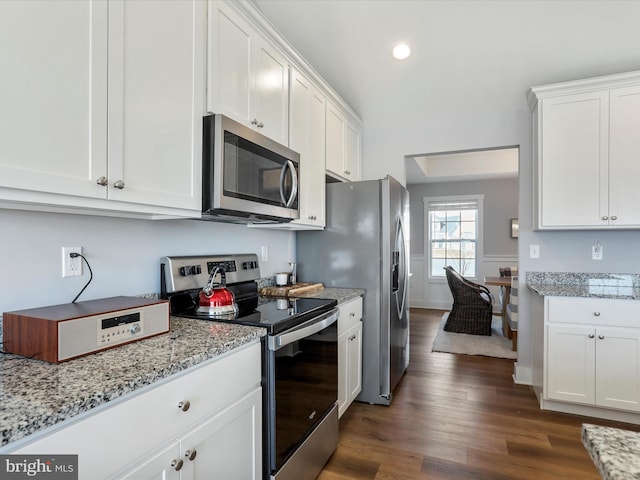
(304, 376)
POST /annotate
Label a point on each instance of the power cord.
(75, 255)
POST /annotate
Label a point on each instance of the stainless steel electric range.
(300, 358)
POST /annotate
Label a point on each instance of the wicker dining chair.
(472, 308)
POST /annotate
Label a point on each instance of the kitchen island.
(614, 451)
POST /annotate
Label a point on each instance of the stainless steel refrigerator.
(366, 245)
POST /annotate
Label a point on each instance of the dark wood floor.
(458, 417)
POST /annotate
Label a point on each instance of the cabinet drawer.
(350, 314)
(141, 422)
(594, 311)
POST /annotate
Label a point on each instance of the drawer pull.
(184, 406)
(601, 337)
(591, 335)
(191, 454)
(596, 314)
(177, 464)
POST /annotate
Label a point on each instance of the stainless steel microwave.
(247, 177)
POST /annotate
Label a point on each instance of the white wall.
(124, 253)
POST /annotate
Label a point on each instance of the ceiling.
(471, 59)
(462, 166)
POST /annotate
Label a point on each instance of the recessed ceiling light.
(401, 51)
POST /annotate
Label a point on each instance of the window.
(453, 232)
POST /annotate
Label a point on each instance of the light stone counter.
(342, 295)
(590, 285)
(35, 395)
(615, 452)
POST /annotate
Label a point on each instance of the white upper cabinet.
(307, 135)
(352, 155)
(624, 155)
(586, 153)
(156, 101)
(103, 107)
(574, 180)
(248, 78)
(53, 90)
(342, 144)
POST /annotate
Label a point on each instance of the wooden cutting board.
(290, 290)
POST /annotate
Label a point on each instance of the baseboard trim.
(588, 411)
(522, 375)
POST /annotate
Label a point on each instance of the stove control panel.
(227, 265)
(191, 272)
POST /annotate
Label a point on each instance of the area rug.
(495, 345)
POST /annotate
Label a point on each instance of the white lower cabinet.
(592, 352)
(349, 353)
(215, 449)
(205, 423)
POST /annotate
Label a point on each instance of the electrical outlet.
(596, 251)
(71, 267)
(534, 251)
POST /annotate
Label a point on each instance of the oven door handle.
(307, 329)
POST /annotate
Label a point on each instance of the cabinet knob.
(260, 125)
(601, 337)
(191, 454)
(352, 338)
(312, 217)
(254, 121)
(119, 185)
(177, 464)
(102, 181)
(184, 406)
(347, 172)
(352, 314)
(596, 314)
(605, 218)
(591, 335)
(614, 218)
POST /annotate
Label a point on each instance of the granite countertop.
(35, 394)
(615, 452)
(594, 285)
(342, 295)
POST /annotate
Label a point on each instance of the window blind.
(437, 205)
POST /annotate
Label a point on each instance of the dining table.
(506, 283)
